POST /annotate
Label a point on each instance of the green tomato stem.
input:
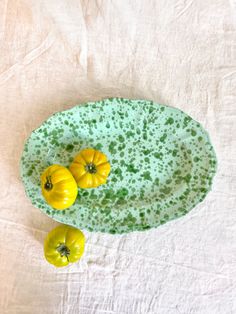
(63, 250)
(91, 168)
(48, 185)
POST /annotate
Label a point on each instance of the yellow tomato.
(58, 187)
(90, 168)
(64, 245)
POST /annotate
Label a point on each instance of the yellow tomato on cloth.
(64, 245)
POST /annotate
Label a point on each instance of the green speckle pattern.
(162, 163)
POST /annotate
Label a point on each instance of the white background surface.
(57, 53)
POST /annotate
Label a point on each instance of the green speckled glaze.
(162, 163)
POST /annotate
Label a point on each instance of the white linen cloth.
(57, 53)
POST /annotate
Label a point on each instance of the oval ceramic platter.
(162, 163)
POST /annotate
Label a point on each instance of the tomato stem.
(91, 168)
(63, 250)
(48, 185)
